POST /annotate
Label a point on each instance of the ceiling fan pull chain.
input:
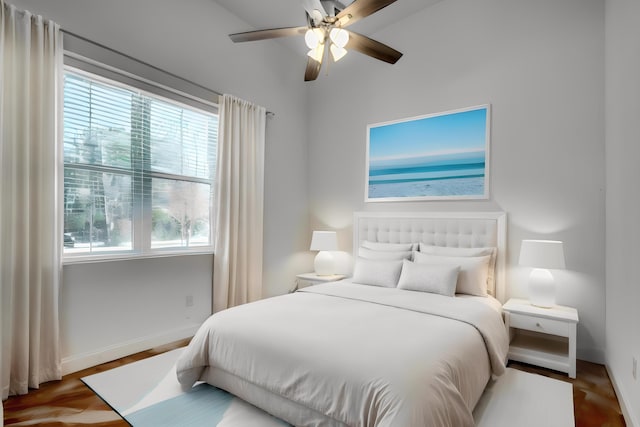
(328, 63)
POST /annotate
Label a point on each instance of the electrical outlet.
(188, 301)
(634, 370)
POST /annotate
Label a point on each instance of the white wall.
(187, 38)
(540, 64)
(110, 309)
(623, 199)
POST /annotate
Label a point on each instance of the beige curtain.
(30, 222)
(237, 267)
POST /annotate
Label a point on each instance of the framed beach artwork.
(442, 156)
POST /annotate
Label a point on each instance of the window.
(138, 171)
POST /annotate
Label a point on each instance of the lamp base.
(323, 263)
(542, 288)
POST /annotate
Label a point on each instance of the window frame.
(141, 223)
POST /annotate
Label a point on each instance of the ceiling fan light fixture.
(313, 37)
(317, 53)
(337, 52)
(339, 36)
(325, 33)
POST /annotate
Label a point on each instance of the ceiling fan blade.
(370, 47)
(313, 70)
(267, 34)
(361, 9)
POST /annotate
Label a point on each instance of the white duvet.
(341, 354)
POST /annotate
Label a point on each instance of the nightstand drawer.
(539, 324)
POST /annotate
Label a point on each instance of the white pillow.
(436, 279)
(379, 246)
(383, 255)
(472, 278)
(377, 273)
(451, 251)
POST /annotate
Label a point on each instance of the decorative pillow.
(383, 255)
(436, 279)
(451, 251)
(377, 273)
(472, 278)
(379, 246)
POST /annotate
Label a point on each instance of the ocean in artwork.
(442, 156)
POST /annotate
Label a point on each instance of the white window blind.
(138, 170)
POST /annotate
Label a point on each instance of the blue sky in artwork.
(455, 133)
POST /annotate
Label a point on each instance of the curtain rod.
(100, 45)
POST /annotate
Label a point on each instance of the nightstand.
(308, 279)
(543, 337)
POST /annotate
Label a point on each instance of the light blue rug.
(147, 394)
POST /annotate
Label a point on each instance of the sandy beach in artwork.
(435, 188)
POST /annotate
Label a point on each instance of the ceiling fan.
(327, 21)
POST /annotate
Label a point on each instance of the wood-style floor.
(70, 403)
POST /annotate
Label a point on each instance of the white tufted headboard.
(454, 229)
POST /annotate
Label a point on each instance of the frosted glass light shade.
(324, 241)
(542, 255)
(339, 37)
(337, 52)
(317, 53)
(313, 37)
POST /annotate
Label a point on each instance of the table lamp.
(542, 255)
(324, 241)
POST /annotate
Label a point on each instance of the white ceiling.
(261, 15)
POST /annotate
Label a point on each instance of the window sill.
(88, 259)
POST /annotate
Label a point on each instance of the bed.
(381, 348)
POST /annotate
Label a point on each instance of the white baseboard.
(82, 361)
(624, 404)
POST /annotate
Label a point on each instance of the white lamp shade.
(324, 241)
(542, 254)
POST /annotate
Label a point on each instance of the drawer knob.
(538, 324)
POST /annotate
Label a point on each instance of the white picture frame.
(439, 156)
